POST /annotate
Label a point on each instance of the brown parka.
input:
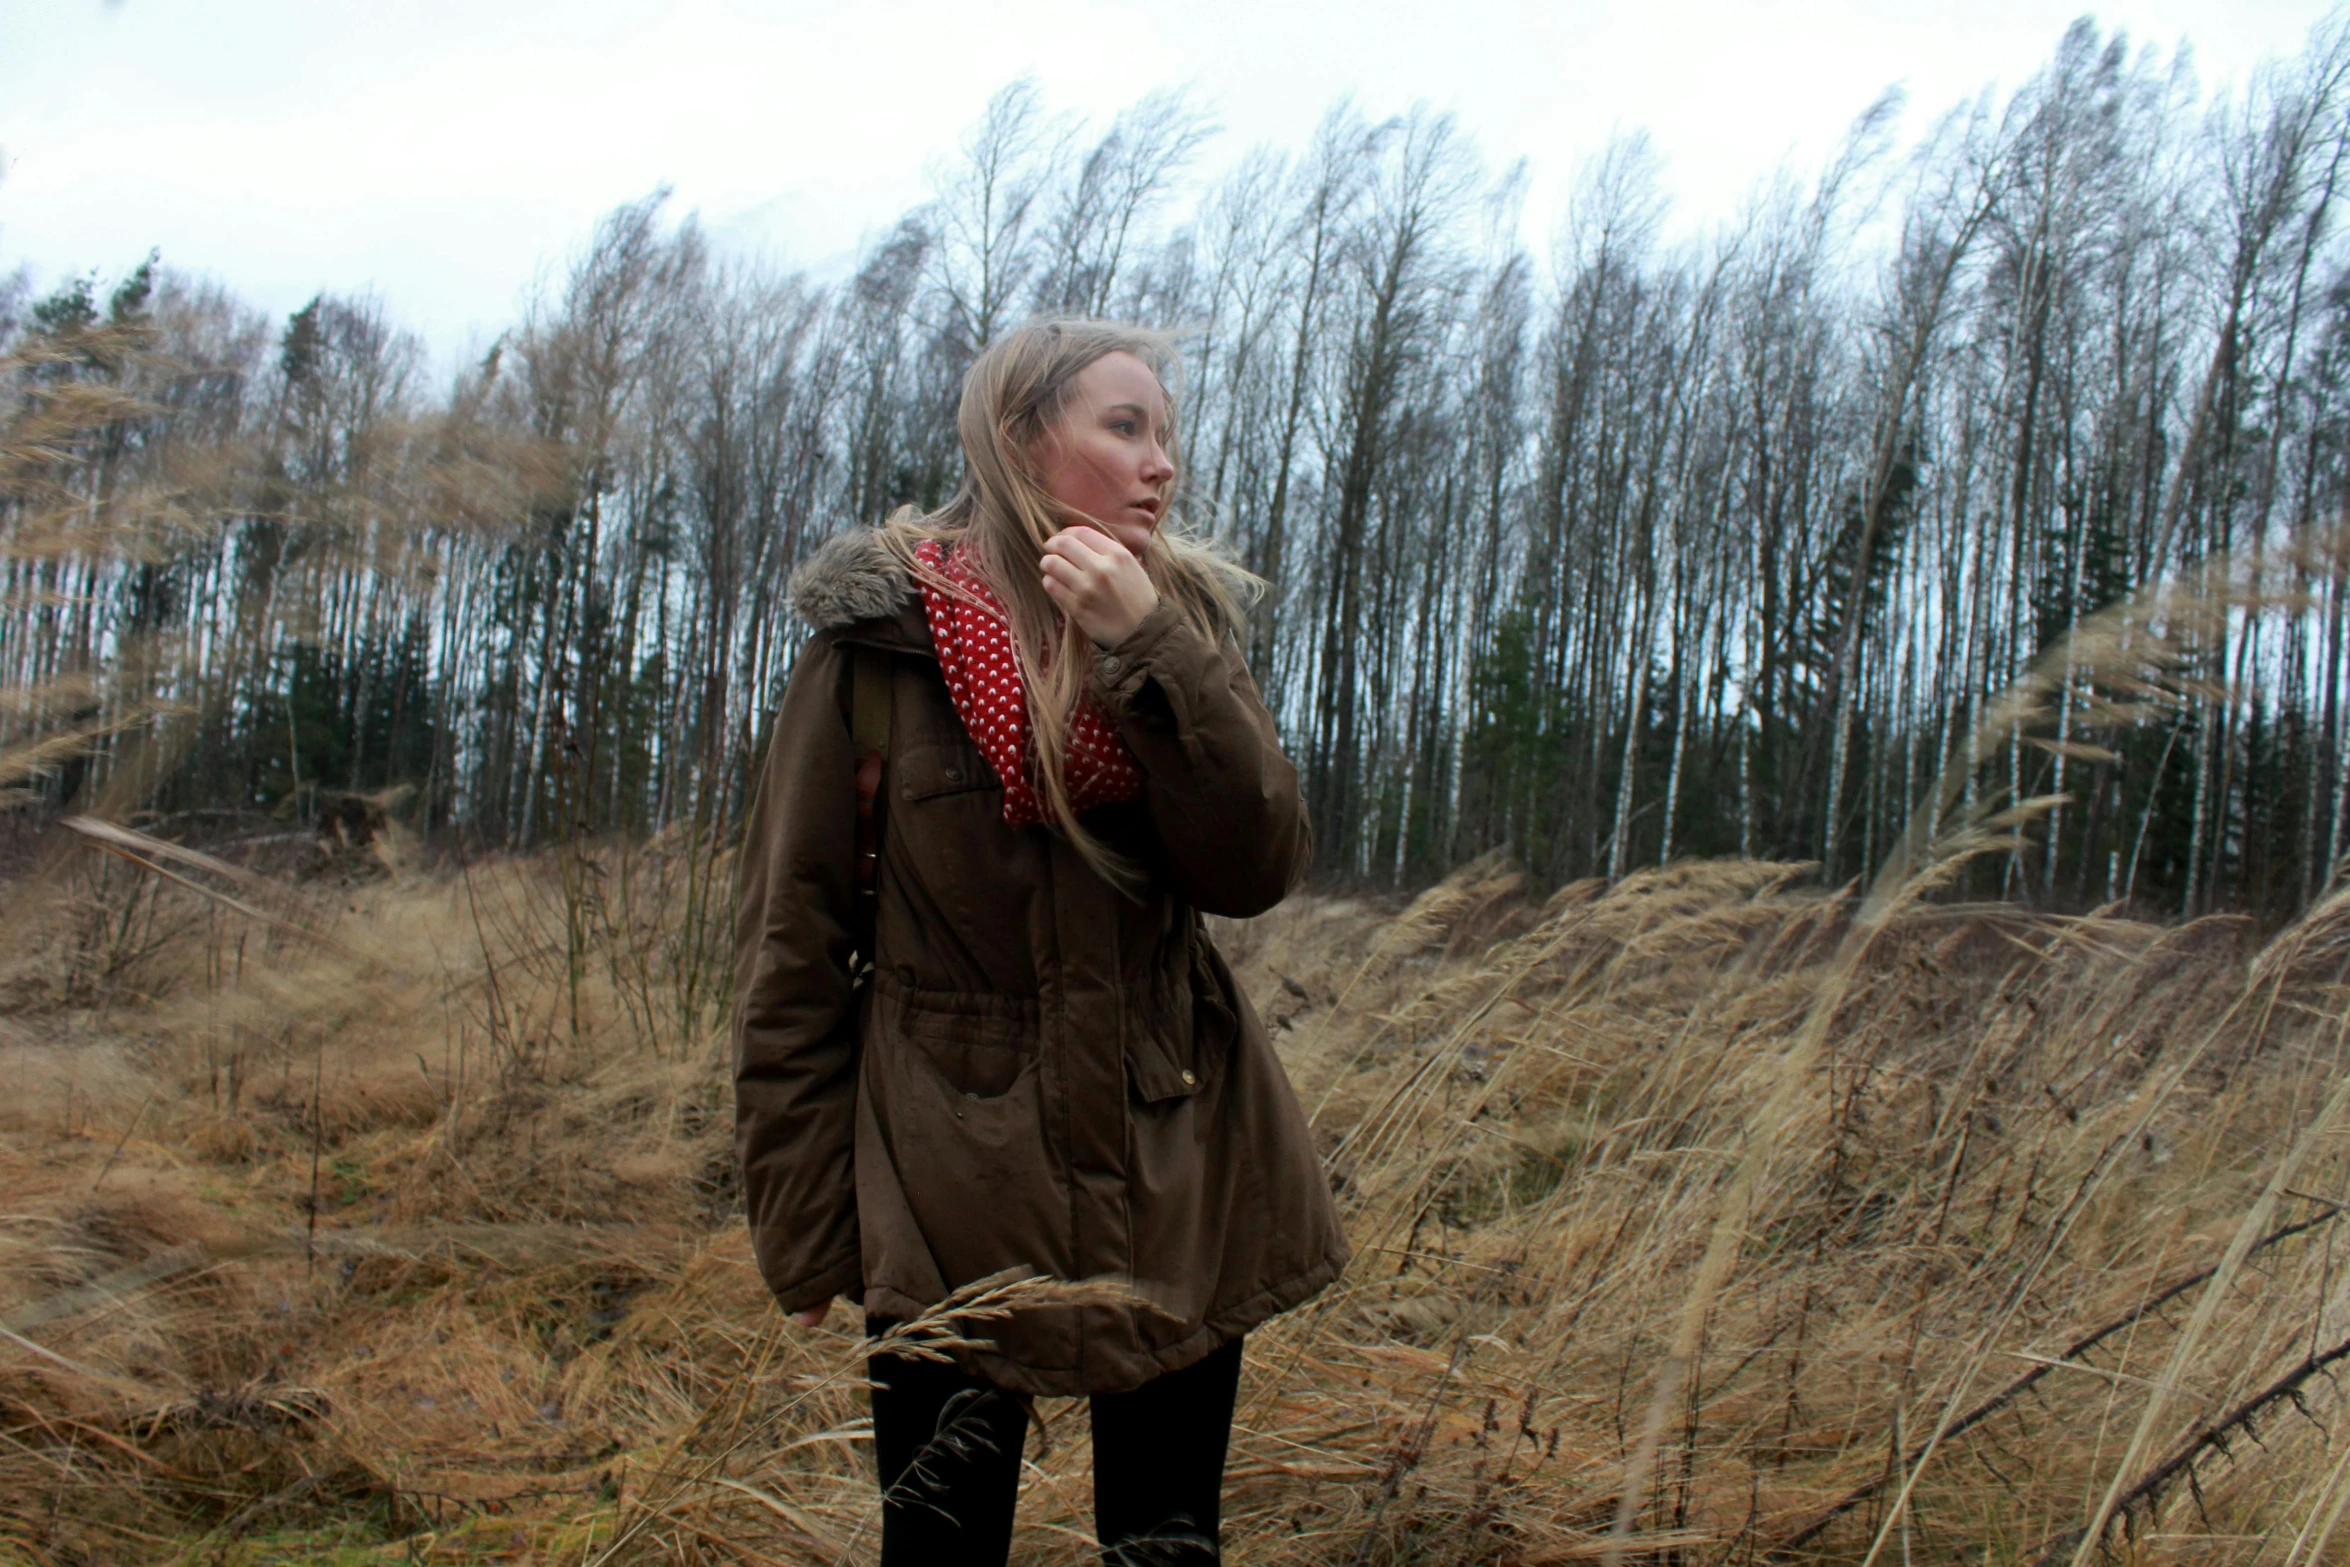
(1045, 1073)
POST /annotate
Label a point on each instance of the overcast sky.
(446, 153)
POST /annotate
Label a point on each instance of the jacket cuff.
(843, 1278)
(1121, 670)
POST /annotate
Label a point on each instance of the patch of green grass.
(351, 1181)
(1536, 1174)
(353, 1543)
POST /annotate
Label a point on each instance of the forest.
(1626, 544)
(1825, 1002)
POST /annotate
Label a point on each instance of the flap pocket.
(1156, 1065)
(925, 772)
(1181, 1047)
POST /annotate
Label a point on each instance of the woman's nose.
(1157, 466)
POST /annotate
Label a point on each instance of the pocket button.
(1189, 1081)
(954, 775)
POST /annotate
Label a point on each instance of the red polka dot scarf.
(975, 654)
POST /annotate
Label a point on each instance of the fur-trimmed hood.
(852, 576)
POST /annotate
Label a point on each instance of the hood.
(851, 577)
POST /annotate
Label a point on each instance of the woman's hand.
(813, 1317)
(1097, 583)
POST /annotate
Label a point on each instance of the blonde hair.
(1019, 389)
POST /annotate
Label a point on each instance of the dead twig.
(2214, 1436)
(2030, 1379)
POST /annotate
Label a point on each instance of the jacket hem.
(1081, 1381)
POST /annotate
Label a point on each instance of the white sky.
(448, 152)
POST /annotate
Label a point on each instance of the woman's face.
(1106, 459)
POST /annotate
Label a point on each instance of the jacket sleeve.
(795, 1070)
(1220, 792)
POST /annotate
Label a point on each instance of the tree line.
(1600, 551)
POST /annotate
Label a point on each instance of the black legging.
(949, 1447)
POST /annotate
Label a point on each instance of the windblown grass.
(388, 1215)
(524, 1325)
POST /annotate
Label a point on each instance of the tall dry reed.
(363, 1243)
(358, 1211)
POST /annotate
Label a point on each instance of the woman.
(1050, 1068)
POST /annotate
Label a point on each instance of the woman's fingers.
(1078, 558)
(1069, 569)
(1087, 552)
(1076, 534)
(1097, 583)
(813, 1317)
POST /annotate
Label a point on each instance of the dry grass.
(414, 1244)
(369, 1215)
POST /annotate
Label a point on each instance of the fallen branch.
(2214, 1436)
(2030, 1379)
